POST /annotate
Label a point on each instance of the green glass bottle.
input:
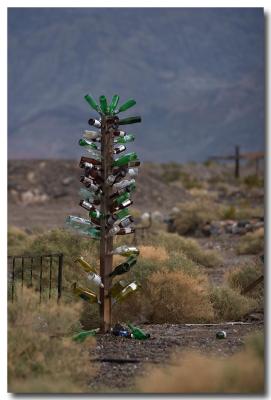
(118, 215)
(113, 104)
(92, 102)
(124, 267)
(129, 120)
(125, 106)
(119, 162)
(137, 333)
(81, 336)
(124, 139)
(122, 198)
(103, 103)
(86, 143)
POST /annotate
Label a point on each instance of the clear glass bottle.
(91, 135)
(94, 122)
(126, 251)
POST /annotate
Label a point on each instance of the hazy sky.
(197, 76)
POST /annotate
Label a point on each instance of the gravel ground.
(129, 356)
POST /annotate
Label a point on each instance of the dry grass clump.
(154, 253)
(176, 297)
(191, 372)
(251, 243)
(41, 354)
(253, 181)
(241, 277)
(189, 247)
(230, 305)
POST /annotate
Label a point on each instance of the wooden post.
(257, 161)
(106, 243)
(237, 162)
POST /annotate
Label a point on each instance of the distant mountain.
(197, 76)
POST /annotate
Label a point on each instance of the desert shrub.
(253, 181)
(191, 372)
(189, 181)
(18, 240)
(194, 214)
(229, 212)
(170, 172)
(154, 253)
(251, 243)
(239, 278)
(176, 297)
(41, 354)
(229, 305)
(189, 247)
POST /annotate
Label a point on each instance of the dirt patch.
(134, 355)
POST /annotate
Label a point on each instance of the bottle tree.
(108, 180)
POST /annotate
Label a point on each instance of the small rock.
(67, 181)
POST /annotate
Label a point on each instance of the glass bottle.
(90, 161)
(103, 104)
(137, 333)
(87, 144)
(125, 204)
(90, 185)
(125, 139)
(126, 292)
(90, 197)
(126, 251)
(92, 102)
(85, 294)
(125, 159)
(125, 106)
(113, 104)
(91, 135)
(94, 122)
(85, 265)
(117, 216)
(117, 287)
(123, 184)
(124, 267)
(126, 231)
(119, 149)
(129, 120)
(95, 279)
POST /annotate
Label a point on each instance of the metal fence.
(43, 273)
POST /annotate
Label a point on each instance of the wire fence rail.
(41, 272)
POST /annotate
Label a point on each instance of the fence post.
(237, 162)
(59, 278)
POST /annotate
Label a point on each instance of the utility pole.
(237, 162)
